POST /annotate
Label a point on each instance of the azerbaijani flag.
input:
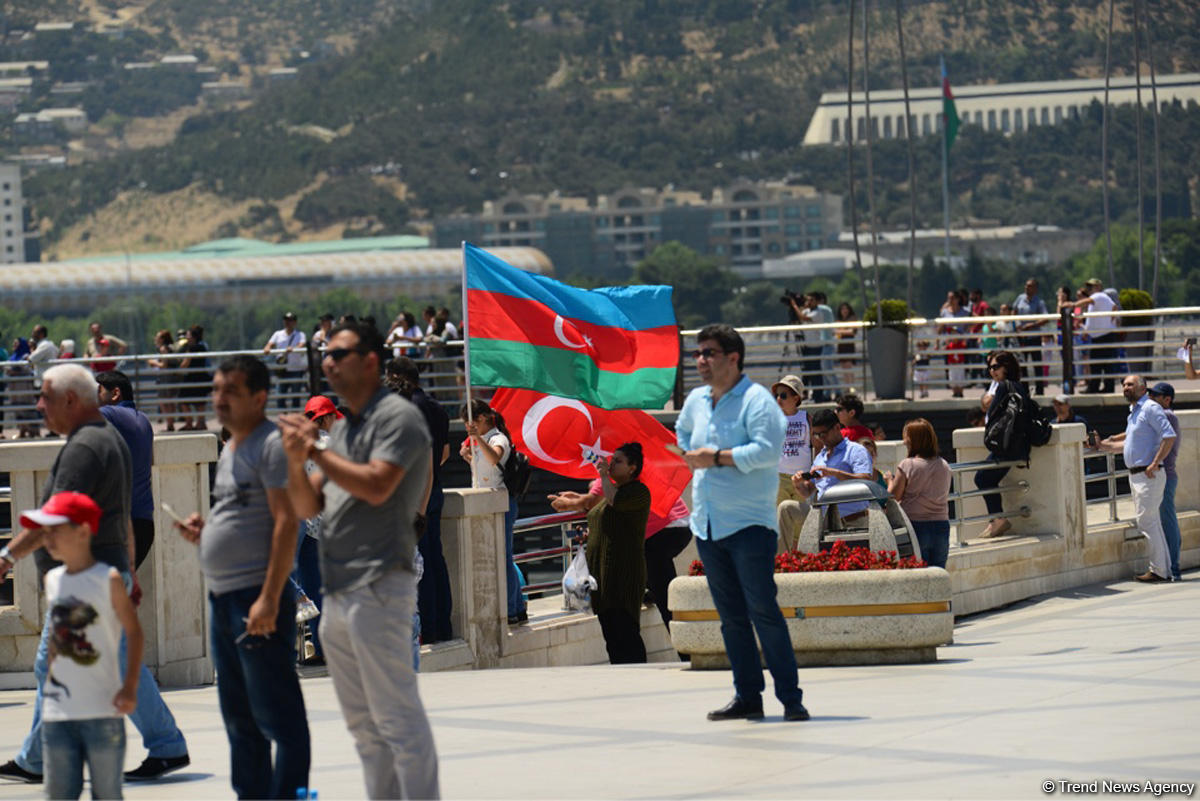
(614, 348)
(950, 119)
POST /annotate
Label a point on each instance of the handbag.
(578, 584)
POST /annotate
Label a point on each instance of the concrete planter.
(854, 617)
(887, 353)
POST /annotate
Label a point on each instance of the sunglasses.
(784, 395)
(994, 366)
(706, 353)
(337, 354)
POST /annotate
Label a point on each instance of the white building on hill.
(1005, 107)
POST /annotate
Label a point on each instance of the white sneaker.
(306, 610)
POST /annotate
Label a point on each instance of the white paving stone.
(1101, 682)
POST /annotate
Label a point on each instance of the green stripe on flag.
(554, 371)
(951, 120)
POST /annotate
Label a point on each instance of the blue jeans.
(1170, 524)
(990, 478)
(160, 736)
(741, 578)
(934, 538)
(67, 744)
(516, 601)
(260, 697)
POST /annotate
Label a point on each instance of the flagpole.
(466, 335)
(945, 170)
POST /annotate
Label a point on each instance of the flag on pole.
(950, 120)
(555, 432)
(615, 348)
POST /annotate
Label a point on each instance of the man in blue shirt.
(160, 734)
(1031, 346)
(732, 433)
(1147, 441)
(840, 459)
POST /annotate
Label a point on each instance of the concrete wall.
(173, 612)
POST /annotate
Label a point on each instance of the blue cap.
(1163, 388)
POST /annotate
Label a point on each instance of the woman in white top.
(487, 448)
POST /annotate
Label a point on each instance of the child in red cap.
(85, 699)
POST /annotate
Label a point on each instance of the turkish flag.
(554, 432)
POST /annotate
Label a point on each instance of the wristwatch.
(7, 556)
(321, 445)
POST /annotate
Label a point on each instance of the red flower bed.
(839, 557)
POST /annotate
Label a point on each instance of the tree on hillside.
(701, 284)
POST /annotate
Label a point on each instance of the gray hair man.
(94, 460)
(1147, 441)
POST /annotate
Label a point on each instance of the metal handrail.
(565, 522)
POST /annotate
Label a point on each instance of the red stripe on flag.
(495, 316)
(946, 89)
(553, 432)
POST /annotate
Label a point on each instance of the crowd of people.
(337, 507)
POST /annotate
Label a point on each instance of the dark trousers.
(741, 578)
(622, 637)
(1104, 347)
(1030, 358)
(990, 479)
(308, 575)
(143, 538)
(292, 382)
(434, 601)
(661, 549)
(260, 697)
(812, 371)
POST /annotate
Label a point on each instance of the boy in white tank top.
(86, 697)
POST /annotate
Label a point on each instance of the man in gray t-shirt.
(247, 548)
(373, 477)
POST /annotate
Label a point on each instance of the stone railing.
(173, 612)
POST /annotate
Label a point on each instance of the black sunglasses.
(337, 354)
(783, 395)
(707, 353)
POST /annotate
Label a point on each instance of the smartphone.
(1094, 439)
(808, 476)
(166, 507)
(1191, 341)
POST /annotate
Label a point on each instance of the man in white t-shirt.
(795, 459)
(44, 352)
(1103, 336)
(294, 358)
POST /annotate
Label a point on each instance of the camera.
(788, 296)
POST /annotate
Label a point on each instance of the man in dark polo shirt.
(95, 461)
(117, 406)
(371, 480)
(433, 592)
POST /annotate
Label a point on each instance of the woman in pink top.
(666, 537)
(921, 484)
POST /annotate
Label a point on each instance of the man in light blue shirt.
(839, 460)
(732, 433)
(1147, 440)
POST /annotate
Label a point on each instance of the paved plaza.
(1099, 683)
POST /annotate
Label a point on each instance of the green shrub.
(894, 311)
(1134, 299)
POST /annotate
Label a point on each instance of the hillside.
(463, 100)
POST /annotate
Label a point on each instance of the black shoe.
(795, 712)
(737, 709)
(156, 767)
(11, 770)
(313, 661)
(518, 618)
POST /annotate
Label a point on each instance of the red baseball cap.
(319, 406)
(64, 507)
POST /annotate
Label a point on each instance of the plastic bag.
(578, 583)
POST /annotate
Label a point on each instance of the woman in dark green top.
(616, 553)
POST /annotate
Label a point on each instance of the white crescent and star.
(533, 420)
(562, 336)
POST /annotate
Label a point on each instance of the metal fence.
(545, 566)
(175, 394)
(6, 532)
(949, 353)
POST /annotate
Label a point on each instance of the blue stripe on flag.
(633, 308)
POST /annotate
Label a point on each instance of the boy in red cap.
(85, 698)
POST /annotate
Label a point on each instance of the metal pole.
(1112, 274)
(466, 335)
(1137, 75)
(946, 178)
